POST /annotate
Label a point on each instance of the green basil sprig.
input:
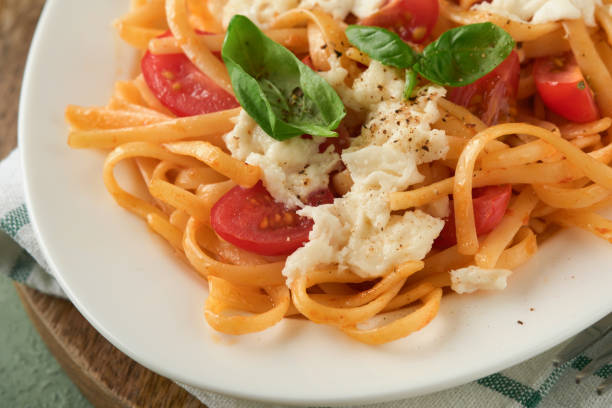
(283, 95)
(458, 57)
(382, 45)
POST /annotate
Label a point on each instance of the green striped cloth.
(531, 384)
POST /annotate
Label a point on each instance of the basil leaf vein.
(465, 54)
(382, 45)
(284, 96)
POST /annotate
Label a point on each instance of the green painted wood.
(29, 375)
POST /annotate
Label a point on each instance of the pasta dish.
(351, 162)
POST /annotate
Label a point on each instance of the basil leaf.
(411, 81)
(382, 45)
(465, 54)
(284, 96)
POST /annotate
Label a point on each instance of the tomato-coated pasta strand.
(132, 150)
(103, 118)
(519, 253)
(463, 183)
(294, 39)
(589, 221)
(342, 316)
(250, 275)
(553, 43)
(240, 172)
(518, 30)
(409, 295)
(517, 216)
(238, 324)
(163, 227)
(206, 127)
(571, 198)
(196, 51)
(401, 327)
(366, 296)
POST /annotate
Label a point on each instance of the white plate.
(131, 287)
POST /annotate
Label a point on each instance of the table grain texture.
(106, 377)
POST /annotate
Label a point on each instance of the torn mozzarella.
(543, 11)
(292, 169)
(473, 278)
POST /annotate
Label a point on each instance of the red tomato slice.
(490, 204)
(492, 97)
(181, 87)
(563, 88)
(320, 197)
(250, 219)
(343, 141)
(412, 20)
(308, 62)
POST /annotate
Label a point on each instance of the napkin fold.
(531, 384)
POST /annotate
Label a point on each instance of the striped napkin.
(534, 383)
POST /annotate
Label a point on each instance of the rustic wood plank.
(17, 22)
(104, 375)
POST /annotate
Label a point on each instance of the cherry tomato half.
(343, 141)
(181, 87)
(493, 96)
(490, 204)
(250, 219)
(308, 62)
(563, 88)
(412, 20)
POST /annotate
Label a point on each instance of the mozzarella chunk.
(407, 127)
(543, 11)
(359, 233)
(473, 278)
(292, 169)
(439, 208)
(376, 84)
(365, 8)
(340, 9)
(263, 12)
(381, 168)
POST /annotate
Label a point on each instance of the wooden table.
(104, 375)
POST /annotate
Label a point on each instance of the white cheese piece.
(473, 278)
(292, 169)
(382, 168)
(407, 127)
(263, 12)
(542, 11)
(376, 84)
(359, 233)
(365, 8)
(439, 208)
(340, 9)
